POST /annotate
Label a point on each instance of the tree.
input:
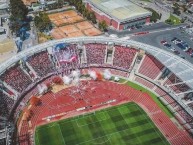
(93, 17)
(85, 13)
(184, 8)
(176, 11)
(169, 21)
(103, 25)
(42, 22)
(83, 10)
(61, 2)
(80, 7)
(18, 15)
(155, 16)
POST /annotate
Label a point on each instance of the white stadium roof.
(122, 10)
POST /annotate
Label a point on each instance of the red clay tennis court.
(70, 24)
(76, 34)
(84, 25)
(68, 29)
(67, 17)
(74, 31)
(57, 34)
(92, 32)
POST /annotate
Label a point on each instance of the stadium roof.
(121, 10)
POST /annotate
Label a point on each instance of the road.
(145, 4)
(154, 39)
(32, 40)
(153, 27)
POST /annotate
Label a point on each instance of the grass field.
(153, 96)
(126, 124)
(173, 20)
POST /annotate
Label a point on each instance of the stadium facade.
(120, 14)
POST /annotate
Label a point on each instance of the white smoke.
(42, 88)
(92, 74)
(76, 74)
(107, 74)
(67, 80)
(116, 79)
(76, 81)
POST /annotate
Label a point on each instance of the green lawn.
(173, 20)
(126, 124)
(153, 96)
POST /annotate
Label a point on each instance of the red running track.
(95, 95)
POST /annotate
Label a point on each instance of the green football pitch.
(126, 124)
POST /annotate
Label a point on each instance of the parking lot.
(163, 40)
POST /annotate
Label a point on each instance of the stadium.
(120, 14)
(96, 90)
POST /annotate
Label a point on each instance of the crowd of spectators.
(41, 63)
(123, 56)
(185, 116)
(173, 79)
(16, 78)
(95, 53)
(64, 56)
(6, 104)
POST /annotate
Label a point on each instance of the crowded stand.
(6, 104)
(66, 55)
(66, 58)
(150, 67)
(41, 63)
(172, 79)
(185, 116)
(16, 78)
(123, 56)
(119, 73)
(190, 105)
(95, 53)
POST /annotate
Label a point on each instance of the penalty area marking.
(61, 134)
(93, 122)
(108, 136)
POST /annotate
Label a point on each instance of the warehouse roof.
(121, 10)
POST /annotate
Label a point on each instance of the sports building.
(120, 14)
(69, 83)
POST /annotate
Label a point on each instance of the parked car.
(181, 46)
(173, 49)
(163, 42)
(190, 51)
(176, 52)
(185, 46)
(176, 40)
(173, 39)
(168, 45)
